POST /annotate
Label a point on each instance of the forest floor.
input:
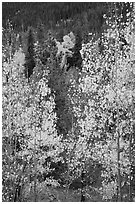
(61, 195)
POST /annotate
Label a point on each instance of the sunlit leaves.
(29, 119)
(100, 103)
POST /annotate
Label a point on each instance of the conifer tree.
(40, 32)
(29, 58)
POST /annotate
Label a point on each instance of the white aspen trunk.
(119, 193)
(9, 149)
(130, 193)
(35, 167)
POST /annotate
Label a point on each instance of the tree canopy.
(68, 100)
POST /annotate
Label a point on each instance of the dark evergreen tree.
(40, 32)
(29, 58)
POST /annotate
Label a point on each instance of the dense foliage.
(69, 109)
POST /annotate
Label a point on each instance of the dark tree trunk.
(17, 196)
(119, 172)
(82, 187)
(19, 185)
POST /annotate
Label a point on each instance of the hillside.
(68, 102)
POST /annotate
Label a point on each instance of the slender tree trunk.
(19, 184)
(35, 173)
(69, 163)
(119, 173)
(9, 147)
(9, 155)
(15, 155)
(82, 187)
(68, 182)
(119, 192)
(130, 193)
